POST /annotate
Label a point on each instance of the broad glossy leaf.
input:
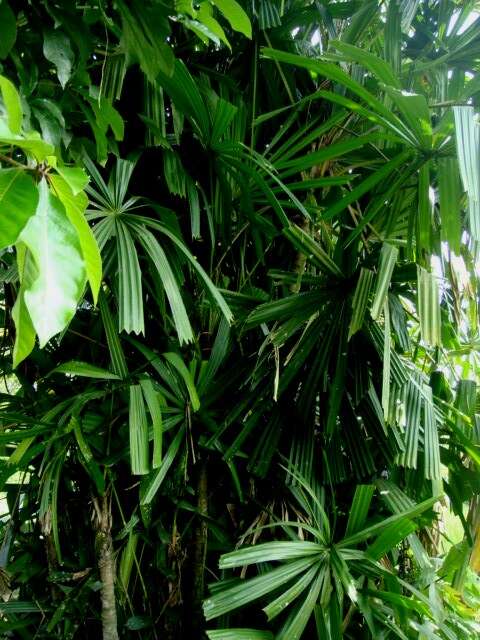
(8, 29)
(236, 16)
(57, 49)
(75, 206)
(18, 202)
(31, 142)
(75, 177)
(52, 297)
(12, 103)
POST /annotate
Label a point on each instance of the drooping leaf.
(30, 142)
(18, 202)
(52, 298)
(85, 370)
(235, 15)
(130, 317)
(429, 307)
(137, 423)
(75, 177)
(57, 49)
(8, 29)
(388, 258)
(75, 205)
(12, 103)
(467, 131)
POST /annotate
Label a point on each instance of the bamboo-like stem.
(106, 566)
(200, 541)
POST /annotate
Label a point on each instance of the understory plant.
(239, 267)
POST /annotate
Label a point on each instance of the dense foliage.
(240, 286)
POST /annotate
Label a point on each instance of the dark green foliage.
(239, 272)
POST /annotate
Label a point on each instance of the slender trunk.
(200, 549)
(50, 552)
(106, 567)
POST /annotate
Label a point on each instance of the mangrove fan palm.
(239, 294)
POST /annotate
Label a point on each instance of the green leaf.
(359, 509)
(268, 552)
(378, 67)
(467, 131)
(336, 74)
(295, 625)
(75, 206)
(213, 290)
(391, 537)
(75, 177)
(30, 142)
(377, 528)
(91, 464)
(130, 317)
(388, 259)
(57, 50)
(378, 176)
(160, 263)
(152, 398)
(119, 364)
(8, 29)
(138, 430)
(236, 16)
(429, 308)
(280, 603)
(12, 102)
(157, 477)
(18, 202)
(248, 590)
(431, 443)
(314, 252)
(450, 208)
(179, 365)
(52, 297)
(239, 634)
(205, 18)
(414, 109)
(360, 301)
(85, 370)
(24, 330)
